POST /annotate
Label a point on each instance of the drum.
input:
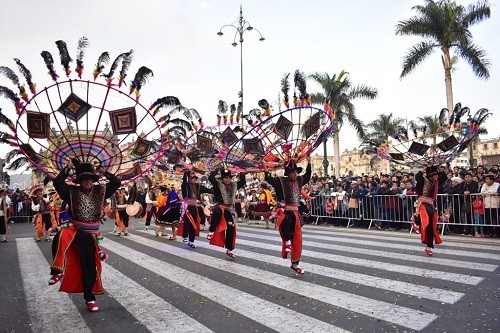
(207, 210)
(134, 209)
(108, 212)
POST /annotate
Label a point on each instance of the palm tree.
(431, 124)
(383, 127)
(445, 25)
(339, 92)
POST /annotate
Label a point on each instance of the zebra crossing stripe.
(408, 270)
(405, 288)
(334, 237)
(396, 314)
(151, 310)
(48, 309)
(267, 313)
(392, 255)
(405, 238)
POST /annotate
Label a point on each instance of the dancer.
(192, 215)
(427, 190)
(77, 257)
(122, 218)
(150, 206)
(266, 203)
(169, 213)
(288, 190)
(222, 230)
(44, 215)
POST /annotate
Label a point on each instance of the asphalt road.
(356, 280)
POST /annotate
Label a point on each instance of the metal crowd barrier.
(20, 211)
(455, 211)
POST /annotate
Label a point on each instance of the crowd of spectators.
(388, 199)
(19, 204)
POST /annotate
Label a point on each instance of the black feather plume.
(83, 43)
(285, 88)
(182, 123)
(9, 73)
(24, 72)
(49, 62)
(222, 107)
(101, 63)
(17, 163)
(6, 121)
(8, 93)
(165, 101)
(64, 55)
(141, 77)
(127, 60)
(114, 65)
(300, 83)
(11, 154)
(443, 117)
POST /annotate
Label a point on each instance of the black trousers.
(149, 215)
(288, 225)
(230, 231)
(55, 243)
(86, 249)
(47, 221)
(430, 227)
(189, 230)
(124, 216)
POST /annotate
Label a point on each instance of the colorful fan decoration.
(93, 120)
(273, 139)
(416, 147)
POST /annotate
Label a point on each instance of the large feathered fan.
(108, 126)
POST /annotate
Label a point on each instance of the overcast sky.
(178, 40)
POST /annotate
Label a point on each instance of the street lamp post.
(241, 25)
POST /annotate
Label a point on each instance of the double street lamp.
(241, 26)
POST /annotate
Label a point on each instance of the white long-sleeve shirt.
(36, 208)
(490, 196)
